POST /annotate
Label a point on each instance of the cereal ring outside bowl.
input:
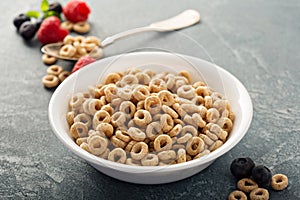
(216, 77)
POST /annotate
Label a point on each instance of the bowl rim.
(141, 169)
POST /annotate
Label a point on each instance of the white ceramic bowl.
(216, 77)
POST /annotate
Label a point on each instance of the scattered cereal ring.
(50, 81)
(153, 130)
(259, 194)
(97, 144)
(279, 182)
(48, 60)
(142, 118)
(166, 97)
(186, 91)
(247, 185)
(136, 134)
(54, 70)
(67, 25)
(81, 27)
(117, 142)
(166, 122)
(63, 75)
(79, 129)
(194, 146)
(92, 40)
(167, 155)
(237, 195)
(84, 118)
(106, 128)
(162, 143)
(122, 135)
(150, 160)
(152, 104)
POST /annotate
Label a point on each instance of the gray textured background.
(256, 40)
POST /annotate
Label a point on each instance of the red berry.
(83, 61)
(76, 11)
(50, 31)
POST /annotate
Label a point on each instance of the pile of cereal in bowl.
(144, 118)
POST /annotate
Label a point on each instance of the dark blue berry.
(261, 175)
(38, 23)
(20, 19)
(242, 167)
(55, 7)
(28, 30)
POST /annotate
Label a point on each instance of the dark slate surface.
(257, 41)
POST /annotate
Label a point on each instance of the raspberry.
(83, 61)
(50, 31)
(76, 11)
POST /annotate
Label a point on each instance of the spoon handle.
(182, 20)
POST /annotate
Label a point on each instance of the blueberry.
(55, 7)
(38, 23)
(242, 167)
(20, 19)
(261, 175)
(28, 30)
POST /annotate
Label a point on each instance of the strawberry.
(76, 11)
(83, 61)
(50, 31)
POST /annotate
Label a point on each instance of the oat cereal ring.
(140, 92)
(203, 153)
(149, 72)
(132, 71)
(152, 104)
(79, 130)
(81, 27)
(80, 51)
(184, 138)
(142, 118)
(106, 128)
(189, 129)
(67, 25)
(63, 75)
(259, 194)
(118, 119)
(67, 50)
(115, 103)
(179, 121)
(150, 160)
(208, 102)
(211, 135)
(85, 147)
(69, 39)
(153, 130)
(128, 108)
(166, 97)
(190, 108)
(178, 84)
(117, 155)
(198, 120)
(128, 79)
(168, 110)
(76, 100)
(108, 109)
(179, 110)
(206, 139)
(110, 92)
(198, 100)
(105, 154)
(202, 91)
(194, 146)
(84, 118)
(94, 105)
(218, 131)
(144, 79)
(92, 40)
(246, 185)
(231, 116)
(54, 70)
(48, 60)
(166, 122)
(101, 116)
(97, 144)
(237, 195)
(70, 117)
(202, 111)
(187, 75)
(79, 141)
(162, 143)
(100, 133)
(175, 130)
(181, 155)
(123, 135)
(216, 145)
(132, 162)
(50, 81)
(136, 134)
(212, 115)
(140, 105)
(279, 182)
(117, 142)
(167, 155)
(156, 117)
(157, 85)
(225, 123)
(139, 151)
(221, 105)
(198, 83)
(130, 145)
(178, 146)
(112, 78)
(170, 81)
(186, 91)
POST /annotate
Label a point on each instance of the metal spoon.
(182, 20)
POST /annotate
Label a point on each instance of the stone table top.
(257, 41)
